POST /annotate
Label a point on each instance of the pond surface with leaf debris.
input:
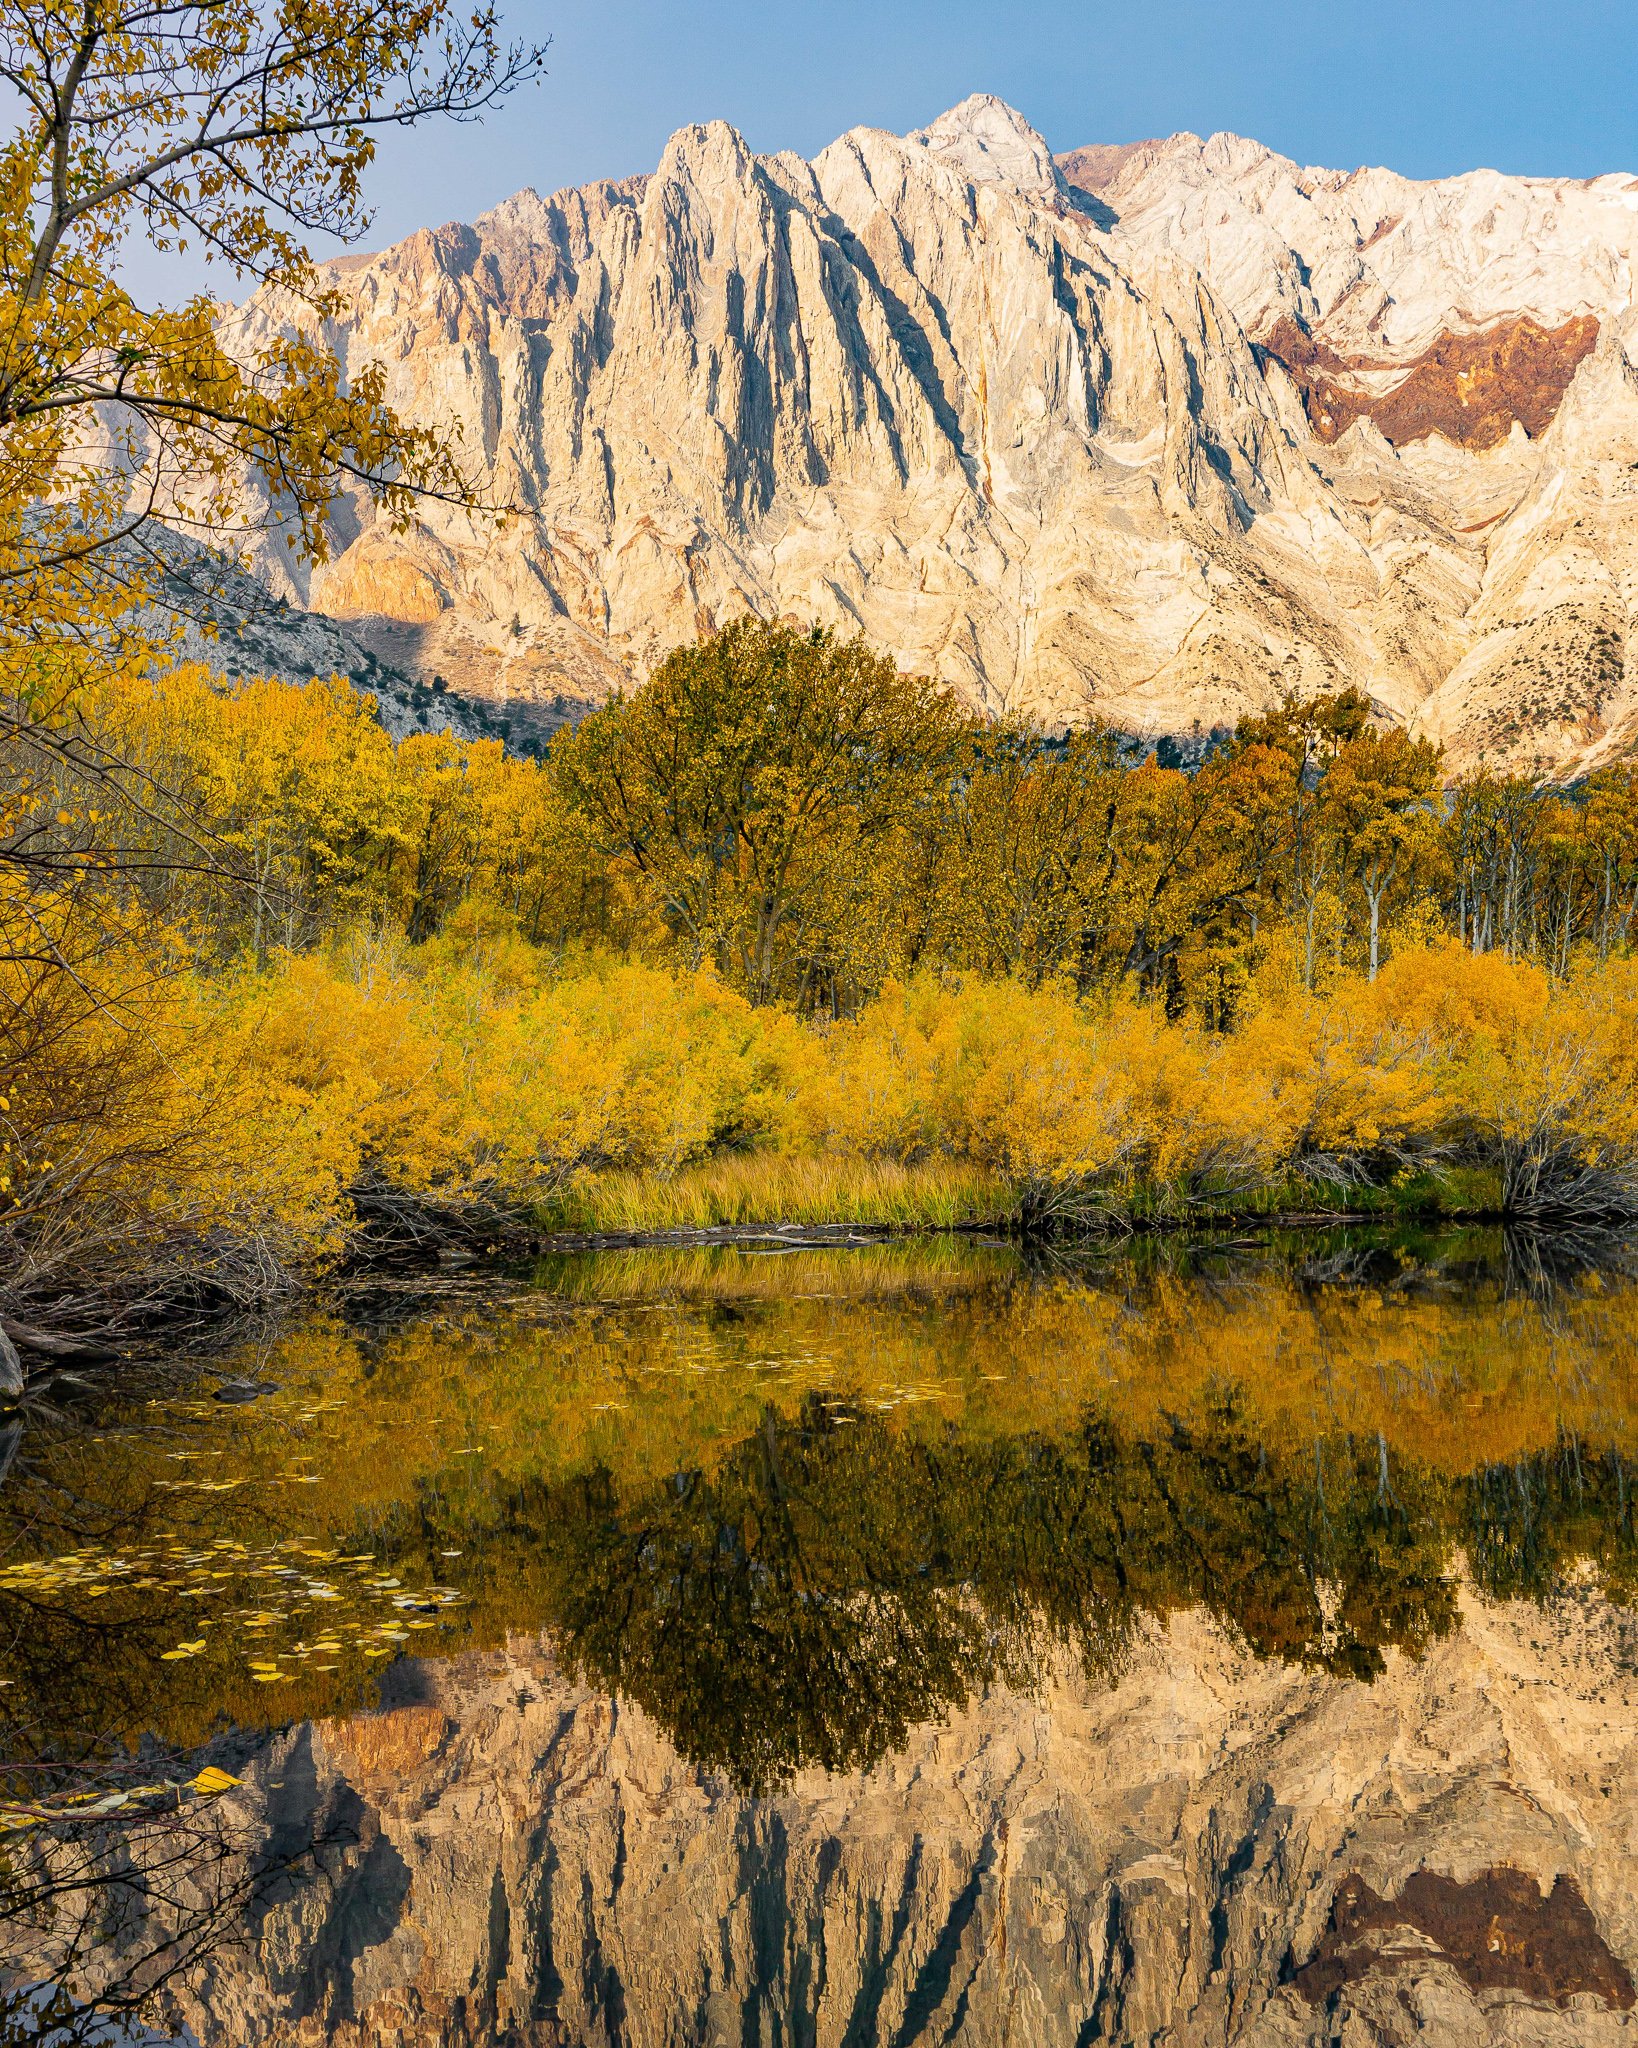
(902, 1642)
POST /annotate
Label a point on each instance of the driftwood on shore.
(15, 1337)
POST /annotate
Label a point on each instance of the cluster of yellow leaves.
(317, 819)
(1054, 1093)
(473, 1068)
(137, 1801)
(310, 1602)
(240, 128)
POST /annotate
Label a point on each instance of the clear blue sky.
(1426, 86)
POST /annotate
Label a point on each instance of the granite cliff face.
(1460, 348)
(1148, 434)
(1208, 1851)
(1380, 265)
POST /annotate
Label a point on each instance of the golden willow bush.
(477, 1080)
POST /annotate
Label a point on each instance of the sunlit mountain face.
(1151, 434)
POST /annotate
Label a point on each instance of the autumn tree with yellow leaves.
(234, 128)
(770, 788)
(129, 434)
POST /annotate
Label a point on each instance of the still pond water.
(896, 1644)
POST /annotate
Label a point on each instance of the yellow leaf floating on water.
(182, 1650)
(271, 1677)
(210, 1780)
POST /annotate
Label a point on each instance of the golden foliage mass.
(425, 978)
(266, 975)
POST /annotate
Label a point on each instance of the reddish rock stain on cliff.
(1096, 166)
(1383, 228)
(1498, 1932)
(1468, 387)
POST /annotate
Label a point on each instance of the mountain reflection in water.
(799, 1511)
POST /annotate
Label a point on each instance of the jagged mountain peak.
(708, 148)
(992, 144)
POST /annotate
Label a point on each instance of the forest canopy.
(784, 932)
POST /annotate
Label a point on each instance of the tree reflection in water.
(829, 1584)
(788, 1525)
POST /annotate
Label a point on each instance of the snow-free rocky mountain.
(1150, 434)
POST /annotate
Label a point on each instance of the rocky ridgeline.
(1207, 1851)
(1150, 434)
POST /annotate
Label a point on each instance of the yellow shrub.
(478, 1069)
(456, 1073)
(622, 1066)
(1006, 1077)
(352, 1055)
(1454, 997)
(1024, 1083)
(1555, 1097)
(154, 1141)
(1322, 1080)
